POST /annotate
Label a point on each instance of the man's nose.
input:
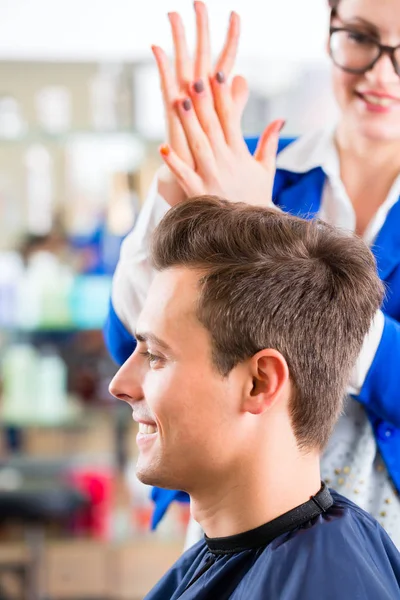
(125, 384)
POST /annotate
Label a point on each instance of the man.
(244, 349)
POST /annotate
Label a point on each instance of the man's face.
(190, 416)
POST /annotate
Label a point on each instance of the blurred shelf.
(53, 330)
(40, 136)
(83, 307)
(71, 419)
(68, 423)
(112, 570)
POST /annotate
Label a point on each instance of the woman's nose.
(383, 72)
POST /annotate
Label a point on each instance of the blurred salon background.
(80, 122)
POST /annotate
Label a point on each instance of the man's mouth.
(146, 429)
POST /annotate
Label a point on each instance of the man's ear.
(269, 375)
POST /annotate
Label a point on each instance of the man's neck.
(256, 495)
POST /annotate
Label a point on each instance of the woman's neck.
(368, 169)
(363, 153)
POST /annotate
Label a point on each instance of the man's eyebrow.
(147, 336)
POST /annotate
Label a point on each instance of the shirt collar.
(312, 150)
(262, 536)
(317, 149)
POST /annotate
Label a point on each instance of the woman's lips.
(378, 102)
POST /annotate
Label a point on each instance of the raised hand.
(225, 169)
(196, 74)
(212, 157)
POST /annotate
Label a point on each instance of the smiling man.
(245, 344)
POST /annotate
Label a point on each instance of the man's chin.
(155, 477)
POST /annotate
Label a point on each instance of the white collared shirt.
(317, 149)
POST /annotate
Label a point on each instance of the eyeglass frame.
(383, 49)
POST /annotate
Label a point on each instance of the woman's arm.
(380, 389)
(132, 278)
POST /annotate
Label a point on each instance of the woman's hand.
(223, 165)
(194, 74)
(208, 154)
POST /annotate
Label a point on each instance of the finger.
(198, 142)
(183, 63)
(205, 109)
(240, 94)
(267, 146)
(169, 87)
(203, 102)
(225, 110)
(187, 178)
(202, 65)
(170, 93)
(227, 57)
(178, 141)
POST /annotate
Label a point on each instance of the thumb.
(267, 146)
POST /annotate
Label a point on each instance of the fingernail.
(198, 86)
(220, 77)
(187, 104)
(165, 150)
(280, 125)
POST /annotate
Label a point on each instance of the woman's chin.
(375, 126)
(376, 130)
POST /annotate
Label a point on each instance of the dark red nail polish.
(187, 104)
(220, 77)
(198, 86)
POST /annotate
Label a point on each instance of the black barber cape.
(326, 549)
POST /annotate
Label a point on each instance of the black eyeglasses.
(355, 52)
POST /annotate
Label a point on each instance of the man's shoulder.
(346, 511)
(180, 574)
(343, 553)
(191, 557)
(344, 523)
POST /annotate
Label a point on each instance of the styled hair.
(271, 280)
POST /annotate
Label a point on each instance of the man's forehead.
(172, 298)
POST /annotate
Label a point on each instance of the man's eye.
(151, 358)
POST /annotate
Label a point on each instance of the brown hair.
(271, 280)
